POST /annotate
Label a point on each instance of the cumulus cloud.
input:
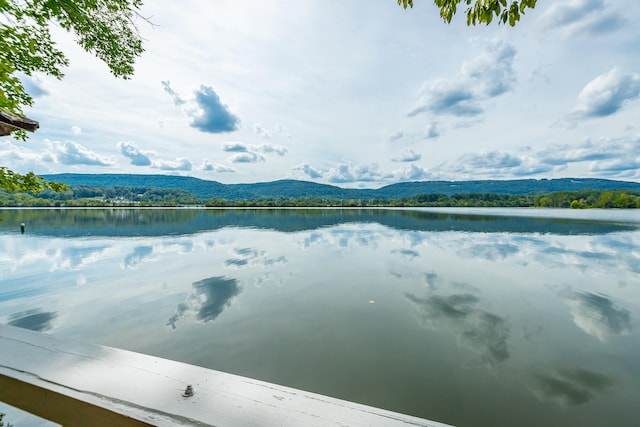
(491, 159)
(140, 157)
(408, 156)
(130, 150)
(11, 153)
(619, 167)
(341, 174)
(345, 173)
(614, 157)
(33, 85)
(210, 167)
(246, 157)
(251, 153)
(76, 130)
(492, 72)
(261, 131)
(433, 130)
(72, 153)
(607, 94)
(234, 147)
(412, 173)
(447, 97)
(180, 164)
(270, 148)
(618, 157)
(212, 115)
(498, 163)
(206, 110)
(581, 17)
(309, 171)
(590, 150)
(177, 100)
(488, 75)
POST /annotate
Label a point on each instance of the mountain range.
(295, 189)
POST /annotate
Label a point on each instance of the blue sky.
(355, 94)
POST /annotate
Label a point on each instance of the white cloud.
(308, 171)
(574, 17)
(269, 148)
(251, 153)
(72, 153)
(177, 99)
(207, 112)
(433, 130)
(346, 173)
(607, 94)
(618, 167)
(34, 85)
(408, 156)
(234, 147)
(412, 173)
(590, 150)
(211, 167)
(396, 136)
(247, 157)
(180, 164)
(260, 131)
(491, 159)
(10, 154)
(491, 73)
(488, 75)
(605, 157)
(138, 157)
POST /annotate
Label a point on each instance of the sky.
(357, 94)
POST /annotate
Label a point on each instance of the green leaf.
(483, 10)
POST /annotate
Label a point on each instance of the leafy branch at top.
(481, 11)
(105, 28)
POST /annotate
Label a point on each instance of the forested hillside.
(160, 190)
(296, 189)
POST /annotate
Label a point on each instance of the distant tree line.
(86, 196)
(590, 199)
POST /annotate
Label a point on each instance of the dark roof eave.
(10, 123)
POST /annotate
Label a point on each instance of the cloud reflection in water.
(209, 298)
(35, 320)
(490, 251)
(569, 387)
(408, 253)
(135, 258)
(597, 316)
(480, 331)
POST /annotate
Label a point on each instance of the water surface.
(477, 317)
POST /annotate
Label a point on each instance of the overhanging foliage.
(481, 11)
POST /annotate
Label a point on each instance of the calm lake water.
(473, 317)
